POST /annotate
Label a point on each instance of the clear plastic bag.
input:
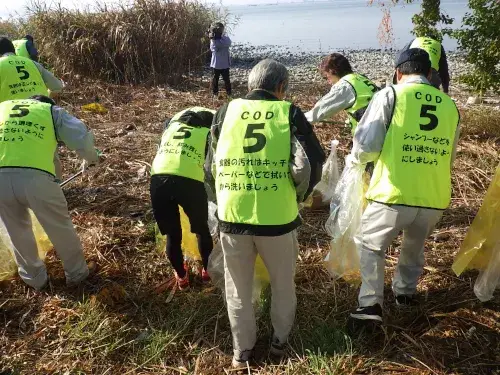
(346, 209)
(8, 266)
(324, 190)
(489, 278)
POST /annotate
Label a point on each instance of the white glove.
(86, 165)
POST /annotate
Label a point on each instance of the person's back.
(20, 78)
(182, 148)
(26, 47)
(264, 158)
(426, 149)
(437, 56)
(28, 136)
(21, 48)
(410, 131)
(432, 47)
(177, 179)
(29, 131)
(253, 154)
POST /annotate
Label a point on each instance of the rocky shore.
(375, 63)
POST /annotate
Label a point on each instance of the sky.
(11, 7)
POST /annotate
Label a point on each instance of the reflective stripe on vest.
(414, 168)
(252, 176)
(364, 90)
(432, 47)
(182, 149)
(27, 135)
(21, 49)
(21, 78)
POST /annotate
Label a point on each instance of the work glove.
(86, 164)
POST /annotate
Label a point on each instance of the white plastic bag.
(489, 278)
(346, 209)
(213, 223)
(330, 176)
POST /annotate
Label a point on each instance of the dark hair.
(415, 67)
(28, 37)
(336, 64)
(6, 46)
(43, 99)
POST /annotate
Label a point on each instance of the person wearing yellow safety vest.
(264, 159)
(411, 130)
(177, 179)
(26, 48)
(439, 63)
(29, 132)
(350, 91)
(20, 77)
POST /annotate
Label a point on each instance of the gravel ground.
(375, 63)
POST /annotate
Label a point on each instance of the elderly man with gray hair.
(263, 161)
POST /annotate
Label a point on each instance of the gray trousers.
(21, 189)
(380, 225)
(279, 255)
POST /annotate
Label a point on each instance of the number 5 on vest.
(433, 120)
(260, 138)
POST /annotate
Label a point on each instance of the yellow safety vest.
(27, 135)
(182, 149)
(432, 47)
(21, 49)
(364, 90)
(414, 167)
(21, 78)
(252, 176)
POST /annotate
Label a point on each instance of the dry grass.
(118, 325)
(148, 41)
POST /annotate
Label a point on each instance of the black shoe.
(406, 301)
(369, 313)
(277, 348)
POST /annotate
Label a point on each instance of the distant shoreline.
(377, 64)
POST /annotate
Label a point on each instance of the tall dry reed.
(147, 41)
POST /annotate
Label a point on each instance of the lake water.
(335, 24)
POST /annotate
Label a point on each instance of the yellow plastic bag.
(8, 266)
(189, 241)
(95, 108)
(483, 234)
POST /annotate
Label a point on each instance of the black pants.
(215, 80)
(168, 192)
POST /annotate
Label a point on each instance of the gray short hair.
(268, 75)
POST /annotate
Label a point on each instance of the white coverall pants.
(21, 189)
(380, 225)
(279, 255)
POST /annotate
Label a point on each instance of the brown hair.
(336, 64)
